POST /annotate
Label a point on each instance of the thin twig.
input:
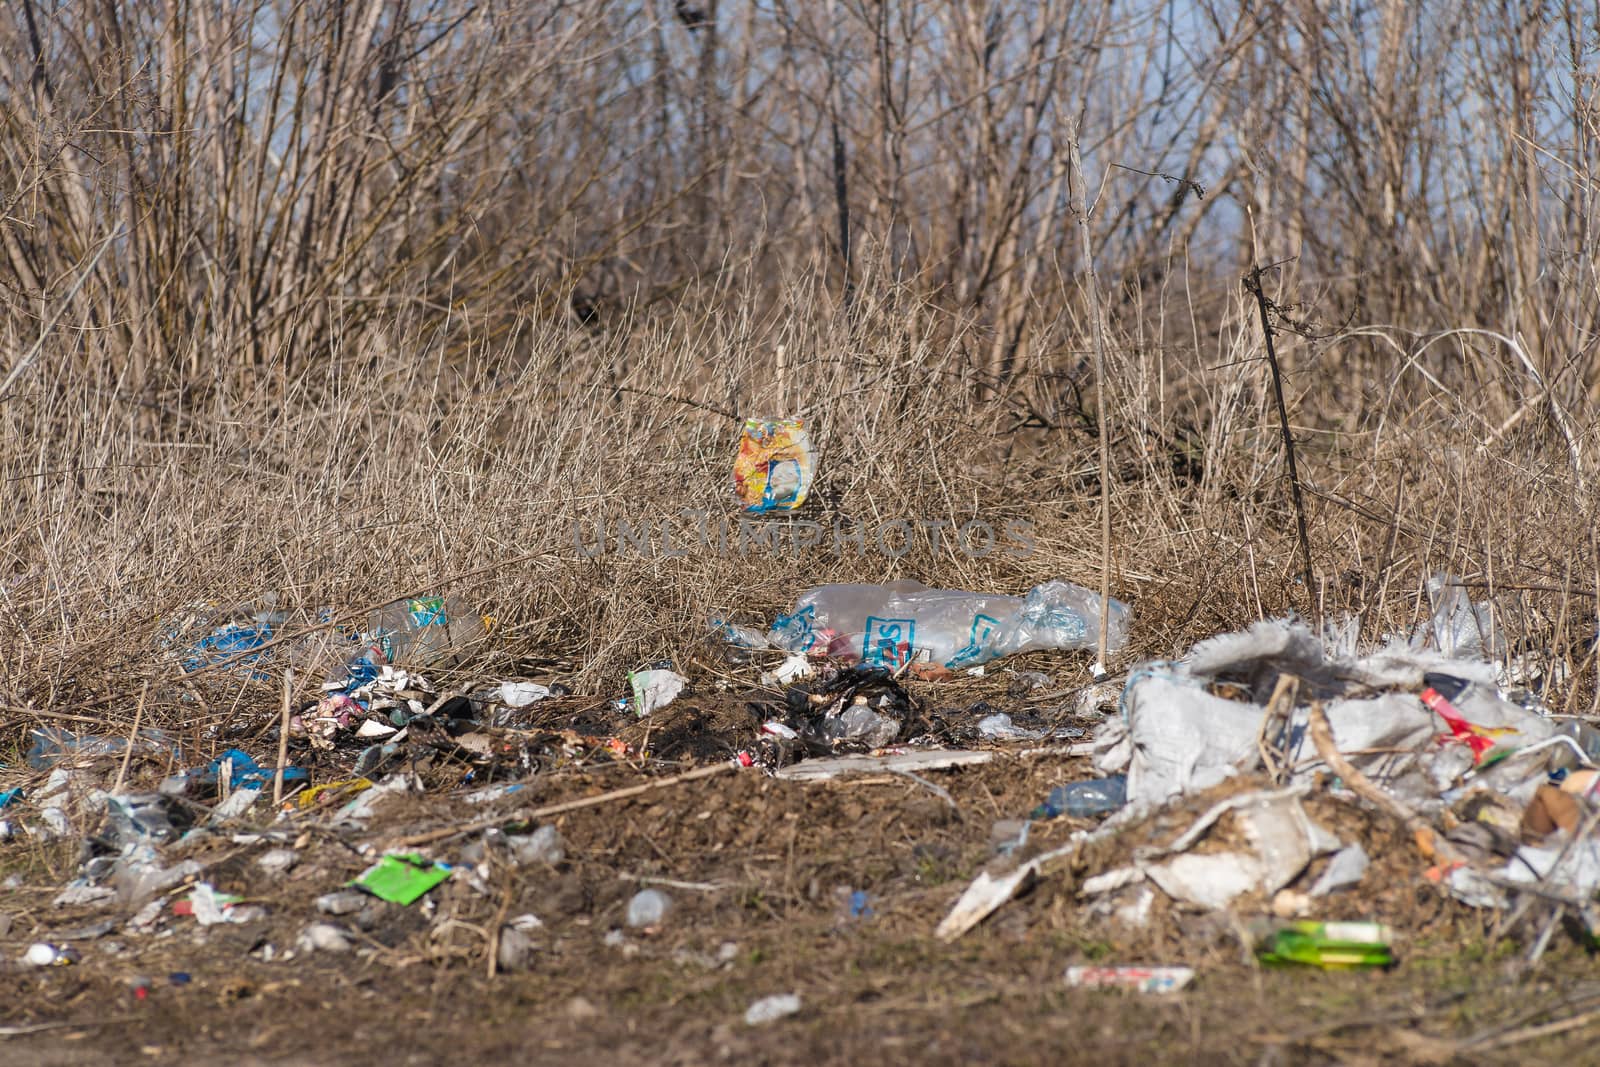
(283, 738)
(566, 806)
(133, 739)
(1091, 285)
(1252, 282)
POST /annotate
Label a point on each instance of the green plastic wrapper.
(402, 878)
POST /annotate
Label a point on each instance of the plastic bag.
(887, 625)
(772, 471)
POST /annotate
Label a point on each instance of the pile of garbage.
(1493, 793)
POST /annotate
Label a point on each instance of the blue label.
(880, 646)
(428, 611)
(982, 627)
(798, 631)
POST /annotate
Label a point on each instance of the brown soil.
(771, 866)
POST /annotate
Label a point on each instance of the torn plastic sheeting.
(1282, 839)
(361, 807)
(655, 689)
(1562, 865)
(1458, 627)
(1182, 739)
(1346, 868)
(988, 892)
(1289, 646)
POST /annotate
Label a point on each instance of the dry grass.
(366, 309)
(403, 470)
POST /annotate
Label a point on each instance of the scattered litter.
(331, 792)
(654, 689)
(1085, 800)
(43, 954)
(648, 908)
(771, 1009)
(1139, 979)
(905, 621)
(1345, 868)
(857, 707)
(1331, 946)
(323, 937)
(210, 907)
(515, 949)
(988, 892)
(80, 894)
(278, 861)
(772, 471)
(926, 759)
(238, 802)
(342, 902)
(795, 667)
(402, 878)
(522, 694)
(738, 634)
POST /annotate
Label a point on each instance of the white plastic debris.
(771, 1009)
(1347, 867)
(79, 894)
(238, 802)
(655, 689)
(53, 800)
(522, 694)
(648, 908)
(360, 809)
(209, 910)
(278, 860)
(794, 667)
(987, 892)
(999, 727)
(323, 937)
(515, 950)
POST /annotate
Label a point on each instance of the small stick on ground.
(133, 739)
(557, 809)
(283, 738)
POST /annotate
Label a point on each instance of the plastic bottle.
(1084, 800)
(425, 631)
(1332, 946)
(887, 625)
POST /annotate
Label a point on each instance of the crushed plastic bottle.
(426, 631)
(890, 625)
(1085, 800)
(53, 745)
(429, 631)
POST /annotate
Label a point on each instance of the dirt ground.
(766, 878)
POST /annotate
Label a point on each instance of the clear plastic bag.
(887, 625)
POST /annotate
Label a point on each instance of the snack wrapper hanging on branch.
(773, 469)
